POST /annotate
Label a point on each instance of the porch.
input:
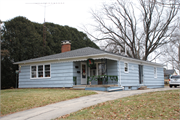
(95, 72)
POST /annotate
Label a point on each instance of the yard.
(14, 100)
(154, 105)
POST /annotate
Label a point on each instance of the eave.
(94, 56)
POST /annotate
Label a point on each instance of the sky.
(74, 13)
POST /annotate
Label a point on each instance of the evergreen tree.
(23, 40)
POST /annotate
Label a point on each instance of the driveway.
(52, 111)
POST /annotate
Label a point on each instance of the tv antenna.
(44, 4)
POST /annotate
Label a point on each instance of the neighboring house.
(85, 64)
(167, 74)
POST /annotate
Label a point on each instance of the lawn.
(14, 100)
(154, 105)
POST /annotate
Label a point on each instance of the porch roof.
(82, 54)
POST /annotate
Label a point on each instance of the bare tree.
(172, 51)
(140, 29)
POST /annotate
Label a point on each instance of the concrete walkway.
(52, 111)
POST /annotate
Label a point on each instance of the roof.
(169, 72)
(79, 53)
(73, 53)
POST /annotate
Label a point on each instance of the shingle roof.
(82, 52)
(169, 72)
(74, 53)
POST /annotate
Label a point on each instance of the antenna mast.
(44, 24)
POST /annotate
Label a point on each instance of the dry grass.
(156, 105)
(13, 100)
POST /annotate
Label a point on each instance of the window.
(40, 71)
(33, 71)
(155, 72)
(47, 70)
(126, 69)
(175, 77)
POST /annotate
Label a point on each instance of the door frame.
(141, 74)
(84, 80)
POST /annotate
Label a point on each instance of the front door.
(140, 74)
(101, 71)
(83, 74)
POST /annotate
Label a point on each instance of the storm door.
(101, 71)
(83, 74)
(141, 74)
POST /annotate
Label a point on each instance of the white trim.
(142, 73)
(86, 72)
(40, 78)
(127, 67)
(37, 71)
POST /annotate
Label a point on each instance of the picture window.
(40, 71)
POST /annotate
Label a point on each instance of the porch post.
(106, 69)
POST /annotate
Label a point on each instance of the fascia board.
(94, 56)
(69, 59)
(122, 58)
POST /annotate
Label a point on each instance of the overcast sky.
(73, 13)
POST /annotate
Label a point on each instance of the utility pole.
(44, 24)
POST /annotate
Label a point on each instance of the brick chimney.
(66, 46)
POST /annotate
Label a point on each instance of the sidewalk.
(52, 111)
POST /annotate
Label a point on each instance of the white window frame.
(127, 67)
(37, 71)
(155, 72)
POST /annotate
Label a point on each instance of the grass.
(13, 100)
(154, 105)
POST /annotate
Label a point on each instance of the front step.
(79, 87)
(98, 87)
(74, 86)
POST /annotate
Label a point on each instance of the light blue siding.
(61, 76)
(150, 81)
(132, 77)
(130, 80)
(112, 69)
